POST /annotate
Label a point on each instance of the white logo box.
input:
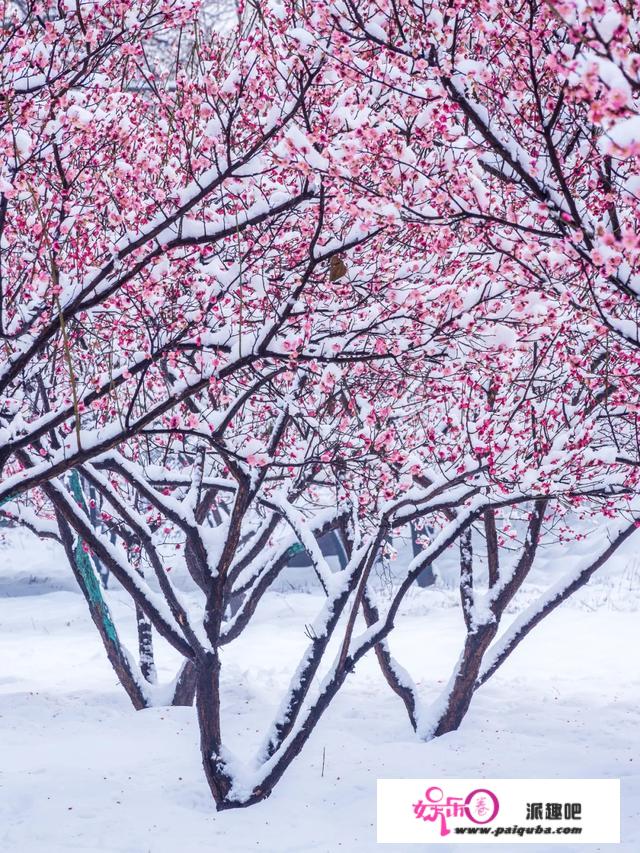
(498, 811)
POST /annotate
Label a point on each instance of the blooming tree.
(518, 136)
(536, 110)
(488, 588)
(300, 278)
(118, 205)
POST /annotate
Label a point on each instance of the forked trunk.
(464, 682)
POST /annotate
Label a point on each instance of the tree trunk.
(387, 664)
(463, 686)
(208, 708)
(89, 584)
(145, 646)
(185, 689)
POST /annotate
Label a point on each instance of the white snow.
(82, 771)
(624, 133)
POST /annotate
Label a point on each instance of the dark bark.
(480, 637)
(208, 708)
(466, 576)
(385, 663)
(185, 689)
(85, 574)
(85, 531)
(292, 740)
(93, 515)
(89, 585)
(550, 605)
(145, 646)
(464, 683)
(491, 535)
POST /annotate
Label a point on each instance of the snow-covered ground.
(81, 771)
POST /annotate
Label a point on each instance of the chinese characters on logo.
(554, 811)
(479, 806)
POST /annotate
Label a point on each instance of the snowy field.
(81, 771)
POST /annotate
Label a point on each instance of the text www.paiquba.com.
(518, 830)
